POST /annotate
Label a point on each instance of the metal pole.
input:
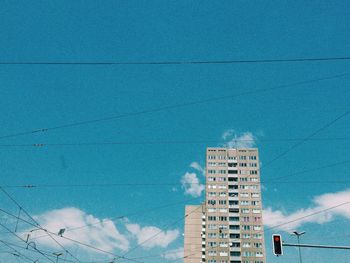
(300, 259)
(315, 246)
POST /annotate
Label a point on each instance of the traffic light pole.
(315, 246)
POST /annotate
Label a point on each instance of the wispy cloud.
(100, 233)
(232, 139)
(197, 167)
(174, 254)
(192, 185)
(321, 202)
(150, 236)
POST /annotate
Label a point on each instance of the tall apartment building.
(230, 227)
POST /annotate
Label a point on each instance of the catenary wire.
(64, 237)
(47, 253)
(309, 215)
(308, 137)
(173, 106)
(37, 224)
(115, 218)
(18, 253)
(159, 232)
(266, 229)
(161, 142)
(179, 62)
(271, 180)
(22, 240)
(78, 242)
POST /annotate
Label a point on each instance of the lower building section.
(194, 244)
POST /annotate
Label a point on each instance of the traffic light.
(277, 245)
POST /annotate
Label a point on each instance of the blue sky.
(40, 96)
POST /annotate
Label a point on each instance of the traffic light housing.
(277, 245)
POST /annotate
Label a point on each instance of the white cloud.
(150, 236)
(238, 140)
(197, 167)
(102, 234)
(191, 184)
(174, 254)
(273, 218)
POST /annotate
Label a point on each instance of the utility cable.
(173, 106)
(271, 180)
(306, 216)
(18, 253)
(67, 238)
(37, 224)
(35, 249)
(308, 137)
(160, 142)
(161, 231)
(178, 62)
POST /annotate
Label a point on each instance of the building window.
(246, 244)
(257, 227)
(245, 227)
(245, 219)
(255, 195)
(212, 226)
(211, 235)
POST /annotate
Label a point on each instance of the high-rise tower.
(231, 224)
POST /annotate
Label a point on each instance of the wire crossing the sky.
(173, 106)
(178, 62)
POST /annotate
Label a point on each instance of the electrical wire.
(178, 62)
(173, 106)
(306, 216)
(18, 253)
(161, 142)
(13, 233)
(308, 137)
(64, 237)
(272, 180)
(36, 223)
(47, 253)
(161, 231)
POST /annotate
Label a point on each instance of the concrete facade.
(232, 210)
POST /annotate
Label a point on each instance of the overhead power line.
(308, 137)
(266, 229)
(18, 253)
(179, 62)
(69, 239)
(161, 231)
(309, 215)
(36, 223)
(136, 184)
(139, 212)
(156, 142)
(173, 106)
(24, 241)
